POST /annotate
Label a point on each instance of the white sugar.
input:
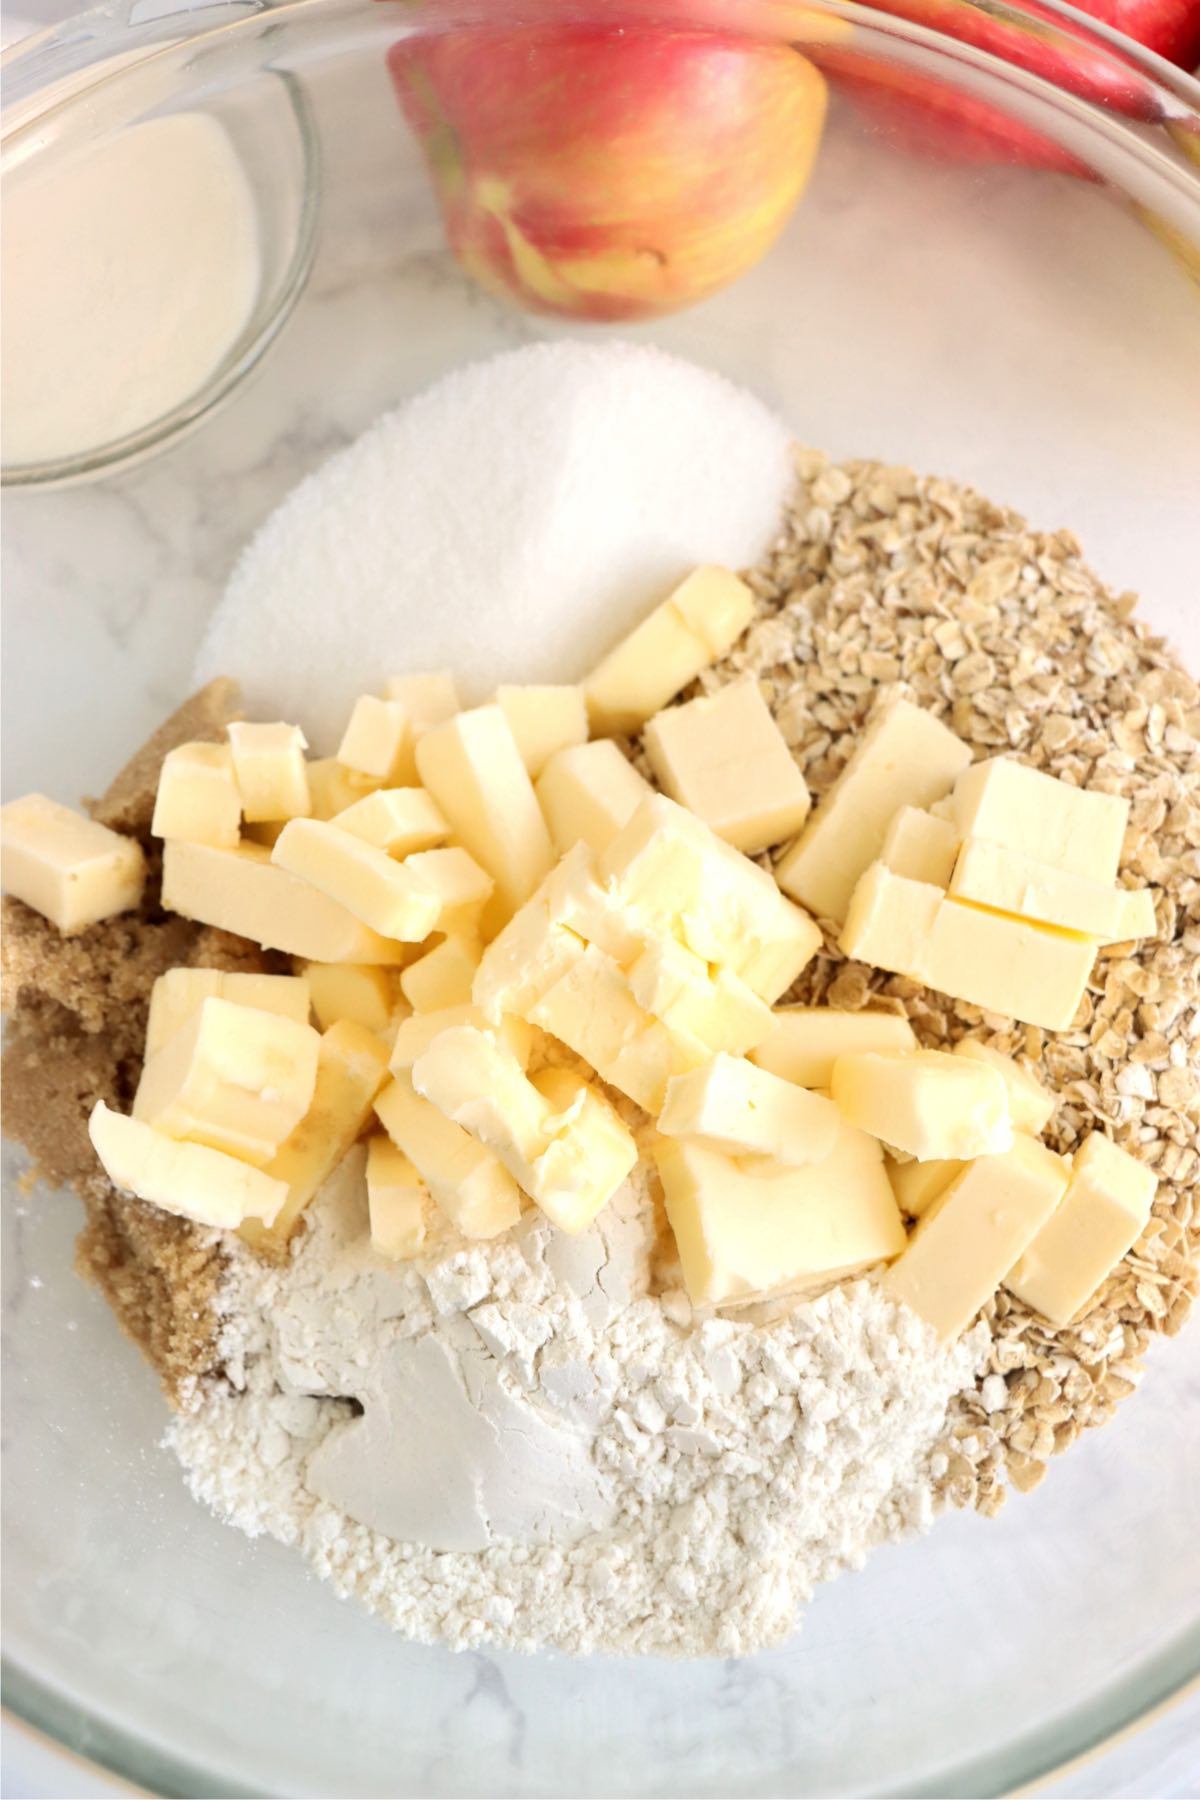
(510, 522)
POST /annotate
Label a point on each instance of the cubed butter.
(272, 777)
(177, 995)
(71, 870)
(244, 892)
(473, 768)
(331, 788)
(905, 757)
(198, 796)
(590, 1152)
(1076, 830)
(531, 953)
(189, 1180)
(724, 758)
(692, 628)
(360, 992)
(917, 1185)
(428, 699)
(1030, 1107)
(1104, 1211)
(744, 1232)
(384, 894)
(891, 921)
(747, 1111)
(462, 887)
(398, 1202)
(544, 720)
(1008, 881)
(467, 1181)
(587, 793)
(378, 742)
(593, 1012)
(414, 1035)
(398, 820)
(719, 1009)
(1137, 916)
(351, 1069)
(927, 1102)
(471, 1077)
(804, 1042)
(920, 846)
(974, 1231)
(444, 976)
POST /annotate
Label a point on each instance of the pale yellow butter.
(198, 796)
(370, 884)
(1104, 1212)
(189, 1180)
(378, 742)
(331, 788)
(673, 984)
(587, 793)
(544, 721)
(1137, 915)
(920, 846)
(927, 1102)
(428, 699)
(590, 1152)
(693, 627)
(891, 921)
(1008, 881)
(804, 1042)
(177, 995)
(471, 1077)
(233, 1077)
(591, 1009)
(724, 758)
(243, 891)
(1030, 1106)
(444, 976)
(747, 1111)
(272, 777)
(917, 1185)
(466, 1180)
(905, 757)
(71, 870)
(462, 887)
(1079, 831)
(414, 1035)
(745, 1232)
(360, 992)
(974, 1231)
(531, 953)
(398, 820)
(398, 1202)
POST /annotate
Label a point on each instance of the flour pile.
(550, 1455)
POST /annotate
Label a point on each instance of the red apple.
(604, 174)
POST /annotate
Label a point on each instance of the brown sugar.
(127, 804)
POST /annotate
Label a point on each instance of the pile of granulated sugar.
(510, 523)
(547, 1454)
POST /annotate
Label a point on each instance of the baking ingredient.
(905, 757)
(112, 320)
(332, 789)
(466, 1180)
(718, 1008)
(397, 1202)
(378, 742)
(1104, 1211)
(444, 976)
(191, 1180)
(427, 699)
(597, 173)
(974, 1231)
(1137, 917)
(688, 631)
(544, 721)
(746, 1111)
(414, 1035)
(268, 761)
(537, 503)
(177, 995)
(590, 1152)
(992, 875)
(462, 887)
(1030, 1105)
(587, 793)
(804, 1042)
(917, 1185)
(921, 846)
(590, 1009)
(723, 757)
(245, 892)
(925, 1102)
(355, 991)
(386, 895)
(70, 869)
(198, 796)
(1073, 829)
(399, 820)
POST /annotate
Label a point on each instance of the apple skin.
(593, 173)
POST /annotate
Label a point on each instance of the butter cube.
(1078, 831)
(198, 796)
(747, 1232)
(724, 758)
(244, 892)
(748, 1112)
(360, 992)
(466, 1180)
(177, 996)
(587, 793)
(804, 1042)
(414, 1035)
(544, 720)
(720, 1010)
(473, 768)
(891, 922)
(1104, 1211)
(473, 1079)
(463, 889)
(398, 820)
(331, 788)
(71, 870)
(920, 846)
(917, 1185)
(974, 1231)
(233, 1077)
(383, 893)
(692, 628)
(1007, 880)
(591, 1010)
(378, 742)
(444, 976)
(927, 1102)
(532, 953)
(351, 1069)
(428, 699)
(189, 1180)
(905, 757)
(1030, 1107)
(590, 1153)
(397, 1201)
(272, 778)
(1137, 917)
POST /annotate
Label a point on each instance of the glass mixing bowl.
(1032, 330)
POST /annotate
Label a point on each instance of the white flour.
(551, 1456)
